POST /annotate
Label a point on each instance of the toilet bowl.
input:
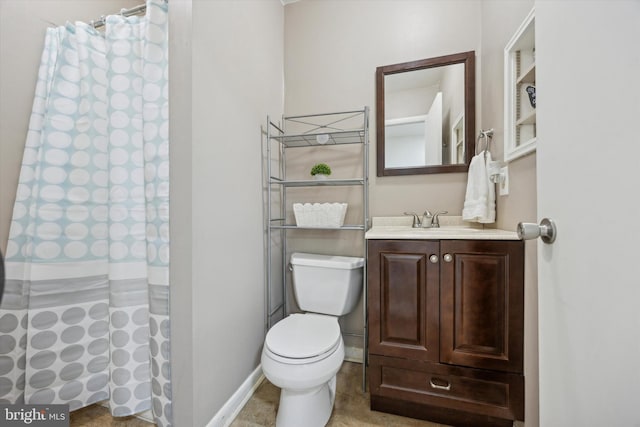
(304, 367)
(303, 352)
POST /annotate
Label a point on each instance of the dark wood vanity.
(446, 329)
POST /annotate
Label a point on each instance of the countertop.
(451, 227)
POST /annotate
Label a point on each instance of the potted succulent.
(321, 171)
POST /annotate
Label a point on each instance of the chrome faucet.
(416, 220)
(429, 220)
(427, 216)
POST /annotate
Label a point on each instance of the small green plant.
(321, 169)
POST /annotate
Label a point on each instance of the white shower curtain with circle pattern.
(85, 316)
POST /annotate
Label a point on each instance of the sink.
(408, 232)
(402, 230)
(448, 229)
(439, 230)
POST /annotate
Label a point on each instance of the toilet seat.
(304, 338)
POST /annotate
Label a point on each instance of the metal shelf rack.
(298, 132)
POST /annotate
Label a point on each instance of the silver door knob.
(433, 259)
(547, 230)
(448, 258)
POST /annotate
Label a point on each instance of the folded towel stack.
(480, 199)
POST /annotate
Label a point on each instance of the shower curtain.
(85, 315)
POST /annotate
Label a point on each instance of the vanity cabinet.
(446, 330)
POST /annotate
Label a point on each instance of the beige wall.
(181, 227)
(232, 73)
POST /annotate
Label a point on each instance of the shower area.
(85, 314)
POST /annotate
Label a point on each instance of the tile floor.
(99, 416)
(351, 407)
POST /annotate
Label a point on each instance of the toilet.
(303, 352)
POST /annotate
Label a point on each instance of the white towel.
(480, 200)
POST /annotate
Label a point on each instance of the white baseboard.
(234, 405)
(353, 354)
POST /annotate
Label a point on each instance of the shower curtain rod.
(124, 12)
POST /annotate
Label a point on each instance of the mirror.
(425, 115)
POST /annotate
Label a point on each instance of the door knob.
(433, 259)
(547, 230)
(448, 258)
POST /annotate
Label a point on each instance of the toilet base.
(309, 408)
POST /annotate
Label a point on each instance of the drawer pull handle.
(434, 259)
(448, 258)
(440, 387)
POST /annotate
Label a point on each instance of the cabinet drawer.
(489, 393)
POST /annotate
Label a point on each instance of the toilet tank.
(326, 284)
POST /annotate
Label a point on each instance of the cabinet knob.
(433, 259)
(448, 258)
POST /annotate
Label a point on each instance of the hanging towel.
(480, 200)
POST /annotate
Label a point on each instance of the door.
(481, 304)
(588, 169)
(403, 298)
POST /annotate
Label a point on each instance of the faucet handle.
(435, 221)
(416, 220)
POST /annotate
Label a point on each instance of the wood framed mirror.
(425, 115)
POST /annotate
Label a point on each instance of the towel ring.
(487, 135)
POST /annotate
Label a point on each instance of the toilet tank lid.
(327, 261)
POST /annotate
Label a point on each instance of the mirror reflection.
(424, 119)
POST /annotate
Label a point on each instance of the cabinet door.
(403, 298)
(482, 319)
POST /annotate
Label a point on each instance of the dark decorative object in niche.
(531, 91)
